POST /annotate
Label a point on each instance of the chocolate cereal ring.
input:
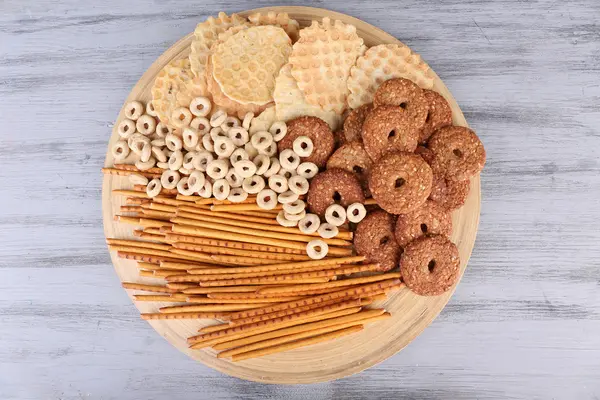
(400, 182)
(374, 238)
(430, 265)
(458, 152)
(389, 128)
(439, 114)
(405, 94)
(316, 130)
(354, 122)
(333, 186)
(352, 157)
(429, 219)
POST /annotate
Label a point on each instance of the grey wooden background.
(523, 324)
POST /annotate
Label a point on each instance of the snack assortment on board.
(257, 215)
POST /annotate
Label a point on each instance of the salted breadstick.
(160, 207)
(154, 231)
(331, 285)
(181, 285)
(147, 288)
(262, 219)
(162, 215)
(155, 297)
(146, 274)
(163, 273)
(249, 200)
(131, 167)
(262, 302)
(121, 172)
(229, 244)
(149, 266)
(137, 243)
(131, 193)
(268, 280)
(136, 201)
(207, 308)
(130, 209)
(328, 290)
(149, 236)
(264, 255)
(257, 214)
(187, 198)
(228, 289)
(181, 265)
(145, 222)
(214, 328)
(196, 255)
(241, 207)
(187, 315)
(144, 257)
(150, 252)
(174, 202)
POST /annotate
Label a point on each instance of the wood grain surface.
(525, 320)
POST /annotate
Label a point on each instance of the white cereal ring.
(181, 117)
(356, 212)
(230, 122)
(159, 154)
(307, 170)
(176, 160)
(269, 151)
(196, 180)
(251, 150)
(289, 160)
(262, 163)
(295, 207)
(253, 184)
(266, 199)
(278, 183)
(237, 156)
(146, 152)
(298, 184)
(208, 142)
(278, 130)
(185, 171)
(201, 160)
(317, 249)
(134, 110)
(126, 128)
(224, 147)
(169, 179)
(217, 132)
(173, 142)
(138, 179)
(287, 197)
(162, 165)
(261, 140)
(150, 109)
(238, 135)
(190, 137)
(201, 124)
(218, 118)
(221, 189)
(153, 189)
(188, 160)
(287, 173)
(206, 190)
(295, 217)
(136, 142)
(143, 166)
(335, 215)
(146, 125)
(328, 231)
(163, 130)
(309, 224)
(274, 167)
(237, 195)
(283, 221)
(160, 142)
(200, 106)
(184, 188)
(217, 169)
(245, 168)
(303, 146)
(120, 150)
(233, 178)
(247, 120)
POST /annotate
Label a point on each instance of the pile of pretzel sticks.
(236, 264)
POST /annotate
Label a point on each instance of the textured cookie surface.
(283, 20)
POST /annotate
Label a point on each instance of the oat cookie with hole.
(430, 265)
(429, 219)
(374, 238)
(458, 152)
(439, 114)
(352, 157)
(333, 186)
(405, 94)
(354, 122)
(425, 153)
(316, 130)
(400, 182)
(449, 194)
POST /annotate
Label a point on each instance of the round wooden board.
(411, 314)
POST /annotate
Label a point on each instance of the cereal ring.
(145, 125)
(287, 173)
(201, 125)
(196, 180)
(218, 118)
(274, 167)
(400, 182)
(307, 170)
(335, 215)
(247, 120)
(217, 132)
(294, 207)
(217, 169)
(159, 154)
(208, 142)
(317, 249)
(237, 156)
(333, 186)
(173, 142)
(136, 142)
(163, 130)
(354, 122)
(251, 150)
(261, 140)
(303, 146)
(269, 151)
(160, 142)
(278, 129)
(449, 194)
(181, 117)
(352, 157)
(200, 106)
(146, 152)
(429, 219)
(253, 184)
(237, 195)
(150, 109)
(221, 189)
(134, 110)
(184, 188)
(201, 160)
(289, 160)
(190, 137)
(262, 162)
(374, 239)
(126, 128)
(389, 128)
(309, 224)
(245, 168)
(230, 122)
(295, 217)
(206, 190)
(298, 184)
(278, 183)
(184, 171)
(405, 94)
(430, 265)
(153, 189)
(138, 179)
(224, 147)
(162, 165)
(238, 135)
(439, 114)
(120, 150)
(327, 231)
(317, 130)
(169, 179)
(233, 178)
(283, 221)
(188, 160)
(266, 199)
(459, 154)
(356, 212)
(287, 197)
(176, 160)
(145, 165)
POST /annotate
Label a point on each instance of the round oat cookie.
(425, 153)
(449, 194)
(374, 239)
(458, 152)
(404, 94)
(389, 128)
(429, 219)
(317, 130)
(339, 139)
(333, 186)
(354, 122)
(430, 265)
(352, 157)
(400, 182)
(439, 114)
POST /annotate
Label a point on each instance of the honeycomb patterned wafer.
(321, 60)
(381, 63)
(290, 26)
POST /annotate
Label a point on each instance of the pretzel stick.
(146, 274)
(160, 207)
(370, 202)
(145, 222)
(241, 252)
(130, 209)
(257, 214)
(149, 266)
(207, 308)
(149, 236)
(188, 315)
(249, 200)
(155, 297)
(225, 280)
(174, 202)
(121, 172)
(205, 257)
(315, 292)
(149, 252)
(137, 243)
(187, 198)
(206, 300)
(131, 167)
(162, 215)
(154, 231)
(227, 289)
(163, 273)
(331, 285)
(130, 193)
(144, 257)
(136, 201)
(147, 288)
(183, 265)
(181, 286)
(174, 237)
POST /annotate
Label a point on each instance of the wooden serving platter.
(411, 314)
